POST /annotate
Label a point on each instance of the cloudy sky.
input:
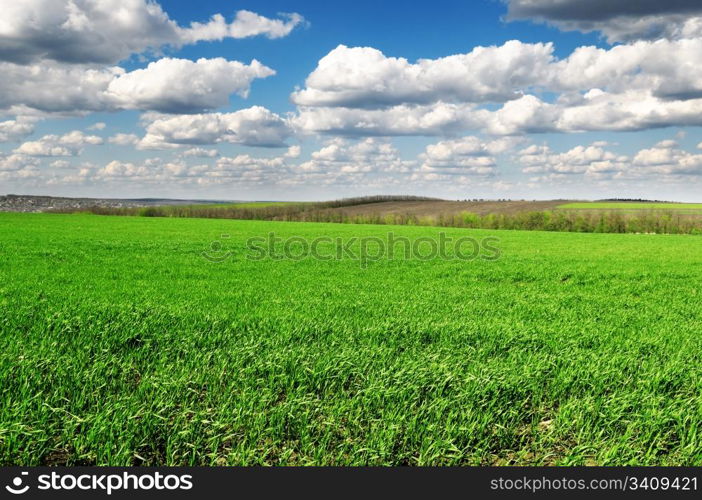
(221, 99)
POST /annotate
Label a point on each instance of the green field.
(619, 205)
(120, 344)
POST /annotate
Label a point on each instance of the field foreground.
(120, 344)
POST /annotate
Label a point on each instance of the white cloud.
(245, 24)
(54, 87)
(255, 126)
(242, 169)
(595, 111)
(151, 170)
(15, 130)
(465, 156)
(359, 91)
(79, 139)
(664, 162)
(201, 153)
(108, 31)
(15, 162)
(293, 151)
(246, 162)
(435, 119)
(589, 160)
(57, 56)
(122, 139)
(167, 85)
(79, 31)
(41, 148)
(528, 114)
(630, 110)
(667, 159)
(98, 126)
(183, 86)
(663, 68)
(60, 164)
(70, 144)
(364, 77)
(117, 168)
(342, 162)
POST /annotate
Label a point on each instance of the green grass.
(614, 205)
(120, 344)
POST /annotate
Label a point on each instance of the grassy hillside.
(120, 344)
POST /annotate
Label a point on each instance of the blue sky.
(483, 99)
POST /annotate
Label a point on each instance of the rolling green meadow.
(120, 344)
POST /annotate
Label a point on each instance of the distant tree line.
(636, 200)
(649, 221)
(566, 221)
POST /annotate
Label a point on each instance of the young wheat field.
(121, 344)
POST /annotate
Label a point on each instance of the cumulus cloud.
(183, 86)
(293, 151)
(374, 163)
(70, 144)
(665, 162)
(245, 24)
(16, 162)
(122, 139)
(465, 156)
(119, 169)
(664, 68)
(589, 160)
(595, 111)
(255, 126)
(667, 159)
(634, 110)
(201, 153)
(235, 162)
(618, 20)
(432, 119)
(108, 31)
(15, 130)
(54, 88)
(154, 171)
(628, 87)
(368, 162)
(242, 169)
(60, 164)
(363, 77)
(167, 85)
(58, 56)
